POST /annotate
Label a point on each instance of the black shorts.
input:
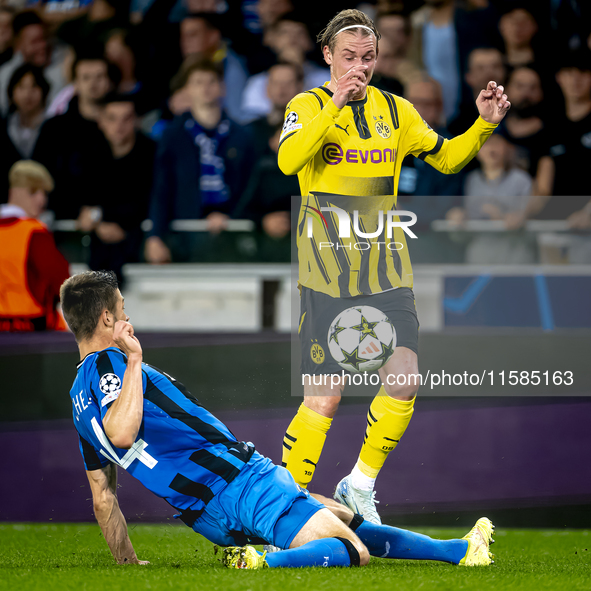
(318, 310)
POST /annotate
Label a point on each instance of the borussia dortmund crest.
(317, 354)
(383, 129)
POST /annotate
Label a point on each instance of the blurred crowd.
(165, 110)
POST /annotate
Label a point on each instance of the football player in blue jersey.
(130, 414)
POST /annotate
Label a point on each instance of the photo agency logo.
(350, 221)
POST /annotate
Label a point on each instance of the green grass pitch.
(75, 556)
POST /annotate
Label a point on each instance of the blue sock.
(325, 552)
(391, 542)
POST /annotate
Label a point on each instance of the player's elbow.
(122, 440)
(287, 165)
(447, 168)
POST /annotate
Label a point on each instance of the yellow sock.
(387, 420)
(303, 443)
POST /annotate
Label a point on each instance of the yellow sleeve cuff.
(332, 110)
(485, 125)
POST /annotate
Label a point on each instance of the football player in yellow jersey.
(349, 139)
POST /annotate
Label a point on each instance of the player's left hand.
(492, 103)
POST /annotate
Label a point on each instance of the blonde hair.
(30, 175)
(350, 19)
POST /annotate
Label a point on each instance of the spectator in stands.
(56, 12)
(27, 93)
(571, 134)
(524, 126)
(70, 144)
(562, 187)
(493, 192)
(284, 82)
(484, 64)
(182, 8)
(32, 47)
(254, 22)
(267, 201)
(436, 46)
(518, 28)
(6, 16)
(31, 267)
(61, 101)
(422, 189)
(393, 68)
(569, 22)
(270, 11)
(222, 149)
(290, 41)
(126, 185)
(201, 36)
(498, 187)
(570, 156)
(121, 50)
(93, 27)
(156, 121)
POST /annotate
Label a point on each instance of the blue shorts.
(262, 505)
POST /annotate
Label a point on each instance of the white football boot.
(362, 502)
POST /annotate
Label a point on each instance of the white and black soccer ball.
(110, 383)
(361, 339)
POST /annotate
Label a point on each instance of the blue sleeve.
(108, 378)
(93, 460)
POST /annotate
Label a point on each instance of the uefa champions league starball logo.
(361, 339)
(110, 383)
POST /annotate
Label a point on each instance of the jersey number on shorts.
(136, 452)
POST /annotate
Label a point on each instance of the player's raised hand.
(349, 85)
(492, 103)
(125, 339)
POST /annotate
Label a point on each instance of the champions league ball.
(361, 339)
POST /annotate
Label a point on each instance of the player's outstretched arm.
(123, 420)
(103, 484)
(454, 154)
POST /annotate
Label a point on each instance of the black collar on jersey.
(358, 103)
(358, 108)
(79, 365)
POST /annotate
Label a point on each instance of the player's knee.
(326, 406)
(358, 553)
(364, 555)
(406, 391)
(343, 513)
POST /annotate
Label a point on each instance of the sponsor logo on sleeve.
(110, 385)
(291, 123)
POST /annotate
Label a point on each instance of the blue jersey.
(182, 453)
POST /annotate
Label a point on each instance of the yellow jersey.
(349, 159)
